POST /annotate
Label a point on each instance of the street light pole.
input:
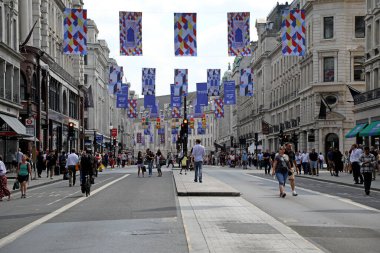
(184, 144)
(93, 142)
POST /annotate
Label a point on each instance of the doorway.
(332, 141)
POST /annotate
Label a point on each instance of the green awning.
(372, 129)
(354, 131)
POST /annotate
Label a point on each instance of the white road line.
(345, 200)
(10, 238)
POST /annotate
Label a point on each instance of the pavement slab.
(221, 224)
(210, 186)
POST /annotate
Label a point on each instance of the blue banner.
(161, 131)
(200, 130)
(229, 93)
(122, 100)
(175, 101)
(174, 131)
(154, 111)
(202, 98)
(124, 89)
(149, 101)
(148, 81)
(99, 138)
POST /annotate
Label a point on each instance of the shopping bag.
(16, 185)
(101, 167)
(77, 167)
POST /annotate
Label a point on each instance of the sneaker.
(283, 195)
(195, 181)
(200, 181)
(294, 194)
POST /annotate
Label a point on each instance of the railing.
(367, 96)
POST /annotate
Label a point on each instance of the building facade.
(367, 104)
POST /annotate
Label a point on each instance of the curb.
(39, 185)
(340, 183)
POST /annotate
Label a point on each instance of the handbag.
(77, 167)
(16, 185)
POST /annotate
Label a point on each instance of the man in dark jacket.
(313, 157)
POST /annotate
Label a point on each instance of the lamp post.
(111, 127)
(94, 142)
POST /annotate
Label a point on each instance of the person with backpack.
(280, 168)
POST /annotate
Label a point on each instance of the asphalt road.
(335, 218)
(130, 215)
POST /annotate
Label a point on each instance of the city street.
(127, 212)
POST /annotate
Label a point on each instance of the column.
(341, 140)
(320, 140)
(23, 15)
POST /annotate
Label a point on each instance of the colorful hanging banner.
(122, 100)
(246, 82)
(174, 131)
(162, 139)
(229, 93)
(115, 81)
(161, 131)
(293, 32)
(198, 110)
(124, 88)
(213, 82)
(200, 129)
(154, 111)
(130, 33)
(147, 130)
(185, 34)
(148, 81)
(75, 31)
(176, 112)
(149, 101)
(175, 101)
(202, 98)
(139, 138)
(180, 82)
(238, 34)
(132, 108)
(219, 108)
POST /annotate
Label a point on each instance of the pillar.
(24, 22)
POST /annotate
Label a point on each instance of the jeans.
(305, 168)
(198, 171)
(150, 167)
(367, 181)
(72, 175)
(356, 172)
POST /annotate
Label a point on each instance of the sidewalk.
(33, 183)
(343, 179)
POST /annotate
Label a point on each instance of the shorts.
(21, 178)
(281, 177)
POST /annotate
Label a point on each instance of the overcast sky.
(158, 35)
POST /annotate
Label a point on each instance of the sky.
(158, 36)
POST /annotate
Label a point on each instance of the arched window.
(64, 106)
(130, 35)
(238, 36)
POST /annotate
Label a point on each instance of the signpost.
(30, 124)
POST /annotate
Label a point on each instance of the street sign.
(99, 138)
(29, 122)
(114, 132)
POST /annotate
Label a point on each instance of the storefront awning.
(15, 124)
(354, 131)
(372, 129)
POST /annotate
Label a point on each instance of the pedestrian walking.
(368, 163)
(244, 159)
(51, 162)
(159, 157)
(86, 168)
(24, 173)
(293, 167)
(19, 156)
(62, 164)
(140, 165)
(338, 162)
(149, 158)
(184, 164)
(4, 191)
(355, 154)
(170, 160)
(347, 164)
(321, 161)
(41, 165)
(123, 159)
(305, 163)
(375, 154)
(71, 163)
(198, 153)
(266, 162)
(313, 160)
(281, 166)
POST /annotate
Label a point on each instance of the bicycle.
(86, 186)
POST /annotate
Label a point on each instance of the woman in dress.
(24, 173)
(3, 181)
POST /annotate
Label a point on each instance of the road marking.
(345, 200)
(12, 237)
(55, 201)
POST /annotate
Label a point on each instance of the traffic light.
(204, 124)
(184, 129)
(71, 131)
(158, 123)
(114, 141)
(192, 123)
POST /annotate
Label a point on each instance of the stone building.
(367, 104)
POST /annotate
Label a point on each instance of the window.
(377, 32)
(369, 37)
(376, 80)
(328, 69)
(14, 35)
(359, 27)
(358, 68)
(54, 95)
(34, 89)
(73, 105)
(85, 60)
(85, 78)
(23, 90)
(328, 27)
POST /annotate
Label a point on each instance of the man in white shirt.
(355, 154)
(198, 153)
(305, 162)
(71, 161)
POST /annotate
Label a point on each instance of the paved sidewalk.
(225, 224)
(343, 179)
(210, 186)
(35, 182)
